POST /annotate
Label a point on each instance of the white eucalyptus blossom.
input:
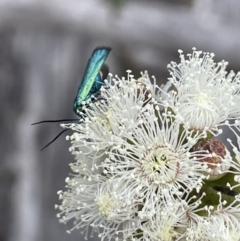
(156, 156)
(221, 223)
(95, 202)
(204, 94)
(169, 223)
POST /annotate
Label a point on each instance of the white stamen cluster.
(141, 171)
(204, 94)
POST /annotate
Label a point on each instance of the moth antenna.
(54, 121)
(55, 138)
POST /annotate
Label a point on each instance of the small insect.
(95, 74)
(93, 79)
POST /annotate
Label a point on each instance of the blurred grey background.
(44, 48)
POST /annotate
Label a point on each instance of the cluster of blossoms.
(148, 164)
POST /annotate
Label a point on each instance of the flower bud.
(215, 155)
